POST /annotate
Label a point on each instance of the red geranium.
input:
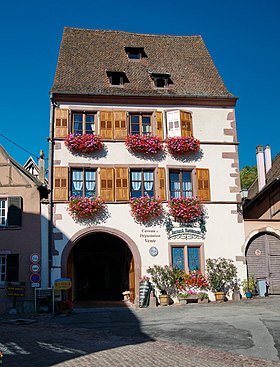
(85, 207)
(144, 144)
(86, 143)
(146, 208)
(186, 209)
(182, 144)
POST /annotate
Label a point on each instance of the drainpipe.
(50, 179)
(267, 154)
(260, 167)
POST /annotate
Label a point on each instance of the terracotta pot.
(164, 300)
(220, 296)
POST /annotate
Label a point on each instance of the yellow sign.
(62, 284)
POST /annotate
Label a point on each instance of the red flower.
(185, 209)
(85, 207)
(86, 143)
(145, 208)
(144, 144)
(182, 145)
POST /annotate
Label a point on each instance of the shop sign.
(62, 284)
(16, 289)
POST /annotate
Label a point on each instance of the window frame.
(5, 216)
(186, 246)
(142, 170)
(84, 181)
(84, 122)
(141, 115)
(181, 171)
(7, 270)
(118, 76)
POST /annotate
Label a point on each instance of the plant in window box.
(179, 145)
(186, 210)
(146, 208)
(191, 285)
(149, 145)
(86, 143)
(85, 207)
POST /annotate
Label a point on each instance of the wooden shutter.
(186, 123)
(120, 125)
(121, 183)
(106, 124)
(161, 183)
(159, 124)
(14, 211)
(61, 121)
(203, 184)
(107, 184)
(60, 183)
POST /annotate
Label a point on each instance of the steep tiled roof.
(86, 55)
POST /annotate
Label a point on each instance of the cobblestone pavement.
(42, 344)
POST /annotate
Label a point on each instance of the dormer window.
(135, 53)
(117, 78)
(161, 80)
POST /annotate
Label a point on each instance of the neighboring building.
(112, 84)
(261, 213)
(20, 232)
(36, 170)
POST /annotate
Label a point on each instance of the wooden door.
(132, 281)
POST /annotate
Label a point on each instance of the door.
(263, 260)
(131, 280)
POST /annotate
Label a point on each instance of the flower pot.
(164, 300)
(248, 294)
(220, 296)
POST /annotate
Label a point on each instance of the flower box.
(146, 208)
(85, 207)
(86, 143)
(185, 209)
(149, 145)
(180, 145)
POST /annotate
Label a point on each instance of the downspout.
(50, 179)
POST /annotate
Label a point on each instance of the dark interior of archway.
(101, 267)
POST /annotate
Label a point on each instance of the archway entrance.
(263, 260)
(101, 267)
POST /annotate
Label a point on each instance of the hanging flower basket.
(144, 144)
(182, 145)
(86, 143)
(145, 208)
(185, 209)
(85, 207)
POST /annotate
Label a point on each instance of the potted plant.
(221, 273)
(249, 286)
(203, 297)
(86, 143)
(191, 285)
(164, 279)
(145, 144)
(179, 145)
(145, 208)
(185, 209)
(85, 207)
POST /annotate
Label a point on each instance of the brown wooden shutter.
(203, 184)
(61, 122)
(159, 124)
(14, 211)
(120, 125)
(60, 183)
(106, 124)
(161, 183)
(186, 123)
(107, 184)
(121, 183)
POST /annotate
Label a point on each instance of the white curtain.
(136, 180)
(176, 189)
(77, 179)
(148, 181)
(90, 180)
(187, 188)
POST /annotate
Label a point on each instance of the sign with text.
(62, 284)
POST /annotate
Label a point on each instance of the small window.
(117, 78)
(9, 268)
(180, 184)
(84, 123)
(142, 183)
(11, 211)
(186, 257)
(141, 123)
(161, 80)
(135, 53)
(3, 212)
(83, 182)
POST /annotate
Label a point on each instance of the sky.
(242, 36)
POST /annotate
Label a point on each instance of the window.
(84, 123)
(83, 182)
(140, 123)
(3, 212)
(180, 184)
(187, 258)
(142, 183)
(117, 78)
(135, 53)
(179, 123)
(9, 265)
(161, 80)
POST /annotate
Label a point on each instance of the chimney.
(41, 166)
(260, 167)
(267, 155)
